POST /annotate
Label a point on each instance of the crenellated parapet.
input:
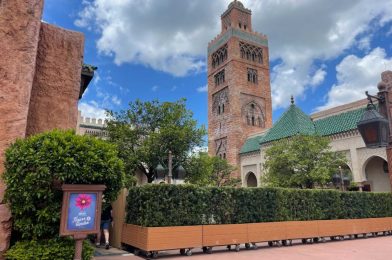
(223, 37)
(91, 126)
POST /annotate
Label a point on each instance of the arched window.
(251, 180)
(220, 101)
(251, 52)
(253, 115)
(219, 56)
(260, 58)
(240, 25)
(242, 53)
(252, 76)
(219, 77)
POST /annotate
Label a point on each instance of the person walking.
(106, 220)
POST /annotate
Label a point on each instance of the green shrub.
(58, 248)
(37, 166)
(181, 205)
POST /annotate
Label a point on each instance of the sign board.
(81, 209)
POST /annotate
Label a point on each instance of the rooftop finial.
(292, 99)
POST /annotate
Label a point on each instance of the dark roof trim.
(86, 76)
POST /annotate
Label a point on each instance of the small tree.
(148, 130)
(37, 166)
(204, 170)
(301, 162)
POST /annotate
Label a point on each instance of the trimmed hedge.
(59, 248)
(182, 205)
(37, 166)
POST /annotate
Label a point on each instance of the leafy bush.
(37, 166)
(181, 205)
(58, 248)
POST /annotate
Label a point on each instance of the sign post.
(81, 213)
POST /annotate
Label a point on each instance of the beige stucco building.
(368, 167)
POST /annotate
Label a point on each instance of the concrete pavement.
(378, 248)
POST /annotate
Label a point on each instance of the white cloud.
(166, 35)
(172, 35)
(97, 78)
(92, 110)
(389, 33)
(364, 43)
(301, 32)
(202, 88)
(356, 75)
(155, 88)
(116, 100)
(318, 77)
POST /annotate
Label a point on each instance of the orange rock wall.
(56, 85)
(40, 71)
(19, 33)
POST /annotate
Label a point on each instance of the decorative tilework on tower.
(239, 93)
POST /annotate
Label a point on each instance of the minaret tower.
(239, 92)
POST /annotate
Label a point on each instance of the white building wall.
(250, 163)
(351, 143)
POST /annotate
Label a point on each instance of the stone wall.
(40, 70)
(56, 85)
(19, 33)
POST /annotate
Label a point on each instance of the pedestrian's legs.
(106, 234)
(98, 241)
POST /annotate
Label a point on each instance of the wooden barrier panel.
(268, 231)
(361, 226)
(162, 238)
(135, 236)
(380, 224)
(166, 238)
(338, 227)
(215, 235)
(301, 229)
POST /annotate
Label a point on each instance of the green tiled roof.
(339, 123)
(251, 145)
(292, 122)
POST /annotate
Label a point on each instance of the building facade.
(239, 93)
(91, 126)
(368, 168)
(240, 114)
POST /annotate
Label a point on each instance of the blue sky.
(325, 53)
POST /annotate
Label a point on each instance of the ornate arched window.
(219, 77)
(253, 115)
(220, 101)
(219, 56)
(252, 76)
(221, 147)
(251, 52)
(251, 180)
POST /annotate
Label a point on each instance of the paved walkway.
(378, 248)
